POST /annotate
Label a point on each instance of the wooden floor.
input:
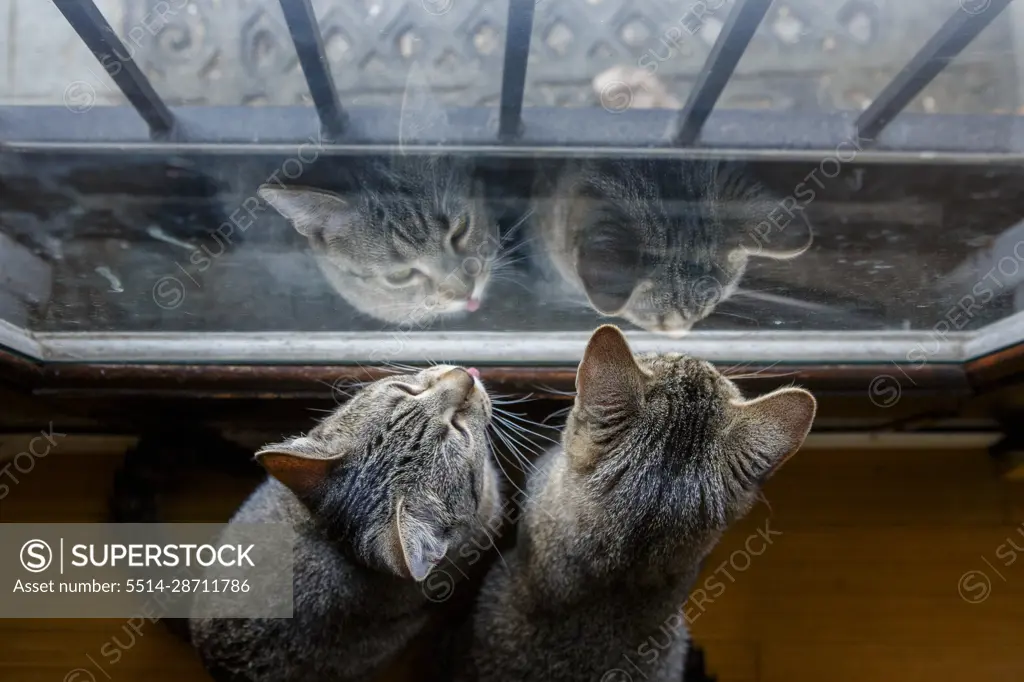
(859, 583)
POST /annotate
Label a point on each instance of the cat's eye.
(459, 428)
(402, 277)
(406, 388)
(459, 231)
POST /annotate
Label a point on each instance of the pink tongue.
(474, 372)
(472, 305)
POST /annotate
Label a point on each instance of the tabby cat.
(660, 245)
(381, 491)
(660, 454)
(410, 242)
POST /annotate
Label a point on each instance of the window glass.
(363, 168)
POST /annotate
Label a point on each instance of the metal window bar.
(958, 31)
(802, 134)
(92, 27)
(732, 42)
(513, 75)
(309, 45)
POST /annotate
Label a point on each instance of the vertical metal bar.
(513, 75)
(91, 26)
(958, 31)
(309, 45)
(732, 42)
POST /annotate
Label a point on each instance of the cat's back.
(540, 613)
(530, 639)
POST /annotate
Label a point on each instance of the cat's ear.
(306, 209)
(609, 265)
(770, 429)
(416, 546)
(608, 377)
(421, 110)
(299, 463)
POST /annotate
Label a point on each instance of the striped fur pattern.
(660, 244)
(659, 455)
(387, 486)
(411, 241)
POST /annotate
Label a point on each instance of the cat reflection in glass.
(660, 245)
(411, 243)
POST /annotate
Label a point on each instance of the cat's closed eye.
(402, 277)
(457, 236)
(406, 388)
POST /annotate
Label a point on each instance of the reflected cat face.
(663, 246)
(411, 243)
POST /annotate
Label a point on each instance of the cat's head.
(665, 447)
(659, 289)
(663, 250)
(401, 473)
(413, 243)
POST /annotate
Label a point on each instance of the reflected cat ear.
(299, 463)
(770, 429)
(608, 377)
(306, 209)
(416, 546)
(421, 110)
(608, 264)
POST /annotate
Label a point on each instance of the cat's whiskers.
(517, 421)
(519, 460)
(497, 460)
(726, 370)
(335, 387)
(519, 436)
(512, 280)
(401, 368)
(557, 414)
(555, 391)
(494, 543)
(756, 374)
(738, 316)
(511, 232)
(499, 399)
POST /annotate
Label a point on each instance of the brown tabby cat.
(660, 454)
(392, 483)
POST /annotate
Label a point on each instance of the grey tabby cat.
(660, 454)
(412, 241)
(382, 490)
(660, 245)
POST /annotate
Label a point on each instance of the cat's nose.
(459, 381)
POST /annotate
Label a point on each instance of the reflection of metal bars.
(805, 133)
(732, 42)
(958, 31)
(309, 45)
(99, 37)
(513, 76)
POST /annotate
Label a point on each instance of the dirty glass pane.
(417, 215)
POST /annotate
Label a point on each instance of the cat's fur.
(410, 242)
(661, 453)
(382, 490)
(659, 244)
